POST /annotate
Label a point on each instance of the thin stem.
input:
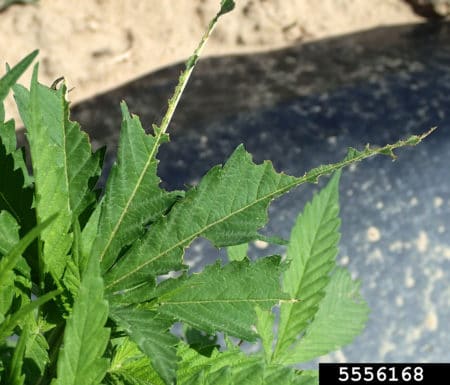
(185, 75)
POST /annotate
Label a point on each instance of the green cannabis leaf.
(227, 207)
(133, 198)
(65, 188)
(232, 366)
(210, 301)
(16, 192)
(9, 232)
(311, 252)
(196, 367)
(341, 316)
(11, 77)
(237, 252)
(93, 281)
(265, 327)
(149, 331)
(80, 360)
(9, 261)
(130, 365)
(15, 372)
(331, 312)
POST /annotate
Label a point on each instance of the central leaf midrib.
(237, 300)
(132, 196)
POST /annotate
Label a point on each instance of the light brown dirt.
(99, 44)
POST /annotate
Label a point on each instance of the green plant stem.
(185, 75)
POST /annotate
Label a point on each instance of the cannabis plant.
(92, 280)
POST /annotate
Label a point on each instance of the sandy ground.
(99, 44)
